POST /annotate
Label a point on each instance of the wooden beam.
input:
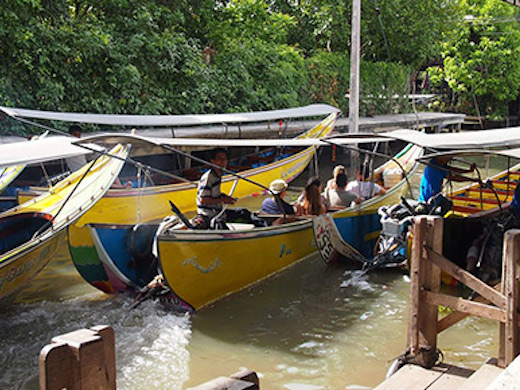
(431, 281)
(467, 278)
(464, 306)
(456, 316)
(419, 230)
(509, 332)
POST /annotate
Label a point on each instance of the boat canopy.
(138, 140)
(41, 150)
(511, 153)
(172, 120)
(482, 139)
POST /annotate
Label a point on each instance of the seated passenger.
(311, 203)
(339, 196)
(272, 205)
(337, 170)
(364, 189)
(313, 180)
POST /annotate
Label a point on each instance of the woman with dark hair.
(311, 203)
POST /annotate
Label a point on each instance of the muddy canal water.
(310, 327)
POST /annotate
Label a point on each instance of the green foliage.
(481, 59)
(383, 88)
(259, 76)
(247, 20)
(329, 75)
(379, 82)
(408, 32)
(204, 56)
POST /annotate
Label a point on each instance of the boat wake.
(151, 343)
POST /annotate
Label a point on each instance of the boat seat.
(240, 226)
(18, 229)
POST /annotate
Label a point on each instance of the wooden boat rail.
(499, 303)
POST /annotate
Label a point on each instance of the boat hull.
(34, 229)
(201, 267)
(20, 269)
(352, 233)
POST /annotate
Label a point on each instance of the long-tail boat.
(89, 256)
(353, 231)
(31, 232)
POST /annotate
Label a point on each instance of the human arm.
(222, 199)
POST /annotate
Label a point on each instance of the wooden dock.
(500, 303)
(441, 377)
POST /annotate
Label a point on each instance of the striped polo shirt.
(209, 187)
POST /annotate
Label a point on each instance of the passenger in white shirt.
(364, 189)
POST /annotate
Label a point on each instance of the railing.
(499, 303)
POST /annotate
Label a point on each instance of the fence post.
(422, 329)
(79, 360)
(509, 333)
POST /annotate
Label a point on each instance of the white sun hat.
(278, 186)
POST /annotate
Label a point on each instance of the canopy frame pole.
(357, 149)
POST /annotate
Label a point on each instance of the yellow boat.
(201, 267)
(130, 206)
(31, 232)
(475, 198)
(153, 204)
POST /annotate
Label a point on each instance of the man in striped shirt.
(209, 197)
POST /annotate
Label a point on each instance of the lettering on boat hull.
(192, 261)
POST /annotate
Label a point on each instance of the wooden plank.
(510, 289)
(467, 278)
(482, 377)
(108, 357)
(456, 316)
(453, 378)
(56, 358)
(509, 378)
(431, 281)
(465, 306)
(410, 377)
(419, 230)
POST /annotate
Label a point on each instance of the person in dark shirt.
(272, 205)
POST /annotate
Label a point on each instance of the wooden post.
(425, 276)
(509, 332)
(80, 360)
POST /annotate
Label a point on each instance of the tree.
(481, 58)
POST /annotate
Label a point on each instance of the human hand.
(128, 185)
(228, 199)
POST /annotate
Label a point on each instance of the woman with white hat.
(272, 205)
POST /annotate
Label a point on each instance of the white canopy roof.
(114, 138)
(41, 150)
(512, 153)
(58, 147)
(172, 120)
(483, 139)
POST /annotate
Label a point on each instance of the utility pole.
(353, 108)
